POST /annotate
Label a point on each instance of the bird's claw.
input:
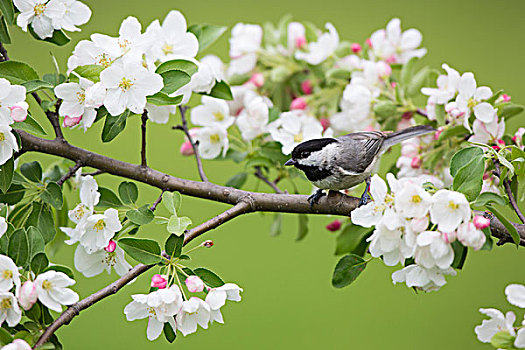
(364, 199)
(314, 198)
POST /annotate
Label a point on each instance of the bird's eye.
(304, 154)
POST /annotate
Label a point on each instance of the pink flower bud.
(391, 59)
(300, 42)
(415, 163)
(505, 97)
(69, 121)
(159, 281)
(449, 237)
(368, 42)
(356, 48)
(438, 133)
(486, 176)
(370, 128)
(393, 84)
(325, 123)
(481, 222)
(501, 142)
(334, 226)
(186, 149)
(194, 284)
(27, 295)
(19, 112)
(111, 246)
(298, 103)
(407, 115)
(306, 87)
(208, 244)
(257, 79)
(496, 147)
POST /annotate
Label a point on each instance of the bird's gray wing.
(358, 150)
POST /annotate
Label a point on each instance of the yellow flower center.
(218, 116)
(152, 311)
(215, 138)
(2, 136)
(416, 199)
(453, 205)
(471, 103)
(46, 285)
(110, 259)
(6, 303)
(125, 84)
(79, 212)
(99, 225)
(298, 137)
(39, 9)
(81, 96)
(7, 274)
(104, 60)
(167, 49)
(123, 43)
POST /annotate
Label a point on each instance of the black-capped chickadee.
(340, 163)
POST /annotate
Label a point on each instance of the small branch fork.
(508, 190)
(70, 173)
(194, 144)
(273, 184)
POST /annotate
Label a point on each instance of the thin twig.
(422, 112)
(144, 119)
(242, 207)
(184, 128)
(3, 51)
(157, 201)
(94, 173)
(52, 117)
(258, 174)
(70, 173)
(508, 190)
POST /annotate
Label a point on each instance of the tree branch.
(506, 184)
(3, 52)
(157, 201)
(258, 174)
(70, 173)
(72, 311)
(184, 128)
(144, 118)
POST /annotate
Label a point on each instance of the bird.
(340, 163)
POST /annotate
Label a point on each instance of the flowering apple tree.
(447, 194)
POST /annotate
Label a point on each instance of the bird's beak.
(290, 162)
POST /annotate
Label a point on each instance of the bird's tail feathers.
(405, 134)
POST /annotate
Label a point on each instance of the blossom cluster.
(13, 108)
(168, 305)
(411, 223)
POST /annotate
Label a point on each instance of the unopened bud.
(496, 147)
(449, 237)
(257, 79)
(208, 244)
(194, 284)
(306, 87)
(368, 42)
(500, 142)
(393, 84)
(298, 103)
(505, 97)
(334, 226)
(69, 121)
(415, 163)
(186, 149)
(111, 246)
(19, 112)
(481, 222)
(438, 133)
(27, 295)
(159, 281)
(391, 59)
(356, 48)
(325, 123)
(300, 42)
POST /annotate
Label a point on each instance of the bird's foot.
(365, 197)
(314, 198)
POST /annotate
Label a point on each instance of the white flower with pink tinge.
(95, 263)
(426, 279)
(51, 287)
(217, 297)
(9, 275)
(449, 209)
(8, 143)
(159, 307)
(497, 323)
(293, 128)
(194, 284)
(27, 295)
(9, 309)
(487, 132)
(433, 251)
(212, 139)
(470, 236)
(212, 111)
(471, 97)
(253, 120)
(194, 312)
(43, 15)
(318, 51)
(11, 96)
(447, 86)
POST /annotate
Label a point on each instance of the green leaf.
(187, 67)
(303, 227)
(419, 80)
(208, 277)
(30, 125)
(6, 174)
(17, 72)
(469, 179)
(53, 195)
(463, 157)
(140, 216)
(275, 228)
(108, 198)
(237, 180)
(169, 333)
(178, 225)
(172, 201)
(35, 240)
(8, 11)
(440, 114)
(145, 251)
(5, 337)
(114, 126)
(34, 85)
(220, 90)
(59, 38)
(4, 32)
(503, 340)
(385, 109)
(60, 268)
(39, 263)
(488, 239)
(207, 34)
(18, 249)
(128, 192)
(512, 230)
(42, 217)
(460, 255)
(90, 71)
(173, 245)
(488, 198)
(161, 99)
(347, 270)
(32, 171)
(350, 238)
(407, 72)
(13, 195)
(510, 110)
(174, 80)
(54, 79)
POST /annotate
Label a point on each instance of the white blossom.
(516, 294)
(296, 35)
(212, 111)
(217, 297)
(245, 39)
(52, 290)
(9, 309)
(211, 69)
(420, 277)
(433, 251)
(370, 214)
(41, 14)
(413, 201)
(487, 132)
(242, 65)
(93, 264)
(449, 209)
(9, 275)
(470, 236)
(194, 311)
(17, 344)
(27, 295)
(3, 226)
(497, 323)
(76, 13)
(293, 128)
(253, 120)
(320, 50)
(389, 243)
(447, 86)
(212, 139)
(8, 143)
(98, 229)
(160, 114)
(470, 97)
(10, 96)
(356, 106)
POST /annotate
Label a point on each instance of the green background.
(288, 301)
